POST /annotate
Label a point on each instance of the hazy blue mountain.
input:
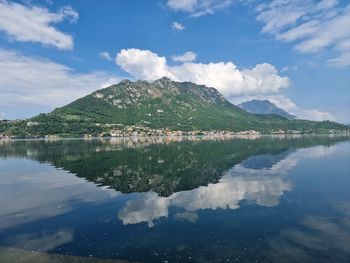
(264, 107)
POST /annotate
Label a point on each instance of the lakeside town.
(117, 130)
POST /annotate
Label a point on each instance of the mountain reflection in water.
(261, 186)
(158, 199)
(160, 164)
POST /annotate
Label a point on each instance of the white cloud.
(198, 7)
(106, 55)
(314, 26)
(293, 68)
(182, 5)
(109, 82)
(34, 24)
(343, 59)
(67, 12)
(328, 34)
(147, 210)
(314, 114)
(143, 64)
(35, 82)
(265, 190)
(301, 113)
(188, 56)
(299, 32)
(224, 76)
(176, 26)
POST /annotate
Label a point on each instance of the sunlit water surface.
(250, 199)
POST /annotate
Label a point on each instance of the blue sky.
(295, 53)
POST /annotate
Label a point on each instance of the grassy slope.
(177, 115)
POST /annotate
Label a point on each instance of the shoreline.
(216, 136)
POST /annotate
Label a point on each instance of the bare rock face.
(129, 93)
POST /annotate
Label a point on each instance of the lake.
(180, 199)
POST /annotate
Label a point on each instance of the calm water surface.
(257, 199)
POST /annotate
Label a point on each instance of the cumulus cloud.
(35, 24)
(224, 76)
(105, 55)
(264, 190)
(142, 64)
(176, 26)
(148, 209)
(313, 26)
(198, 7)
(28, 83)
(188, 56)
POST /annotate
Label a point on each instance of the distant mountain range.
(162, 104)
(264, 107)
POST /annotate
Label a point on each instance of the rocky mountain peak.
(264, 107)
(164, 82)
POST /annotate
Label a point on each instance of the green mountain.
(162, 104)
(264, 107)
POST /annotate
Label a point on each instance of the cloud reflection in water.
(262, 186)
